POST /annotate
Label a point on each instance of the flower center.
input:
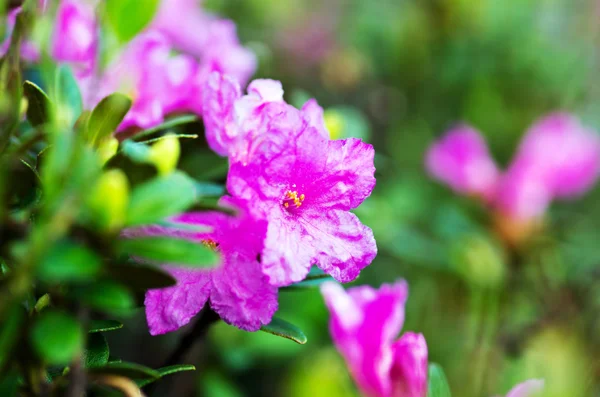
(212, 244)
(292, 199)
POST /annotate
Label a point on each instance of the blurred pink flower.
(305, 189)
(241, 127)
(527, 389)
(237, 290)
(29, 51)
(558, 158)
(461, 160)
(213, 41)
(364, 323)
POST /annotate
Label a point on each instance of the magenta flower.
(29, 51)
(558, 158)
(211, 40)
(305, 185)
(242, 126)
(237, 290)
(364, 323)
(461, 160)
(529, 388)
(75, 36)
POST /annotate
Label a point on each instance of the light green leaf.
(106, 117)
(67, 95)
(167, 371)
(107, 296)
(96, 352)
(38, 104)
(104, 326)
(170, 250)
(286, 330)
(68, 261)
(167, 125)
(161, 197)
(437, 384)
(56, 337)
(129, 17)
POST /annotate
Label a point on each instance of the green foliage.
(106, 117)
(57, 337)
(129, 17)
(286, 330)
(96, 352)
(38, 104)
(107, 296)
(437, 385)
(67, 261)
(104, 326)
(170, 250)
(172, 369)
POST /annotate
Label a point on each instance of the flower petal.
(527, 388)
(343, 245)
(313, 114)
(462, 161)
(170, 308)
(409, 369)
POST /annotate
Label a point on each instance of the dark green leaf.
(161, 197)
(437, 384)
(106, 117)
(286, 330)
(168, 124)
(129, 370)
(57, 337)
(142, 277)
(167, 371)
(170, 250)
(9, 384)
(129, 17)
(96, 352)
(68, 95)
(104, 326)
(39, 105)
(107, 296)
(68, 261)
(10, 331)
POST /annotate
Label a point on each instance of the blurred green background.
(398, 73)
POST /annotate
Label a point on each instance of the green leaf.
(129, 370)
(142, 277)
(106, 117)
(107, 296)
(57, 337)
(129, 17)
(170, 250)
(284, 329)
(10, 331)
(437, 383)
(161, 197)
(167, 125)
(67, 95)
(206, 189)
(96, 352)
(138, 152)
(314, 278)
(68, 261)
(167, 371)
(39, 105)
(9, 384)
(104, 326)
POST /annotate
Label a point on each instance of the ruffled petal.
(313, 114)
(462, 161)
(219, 95)
(343, 245)
(348, 175)
(170, 308)
(409, 368)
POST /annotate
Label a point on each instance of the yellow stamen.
(210, 244)
(293, 197)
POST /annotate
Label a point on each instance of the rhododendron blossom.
(558, 158)
(237, 289)
(364, 324)
(305, 191)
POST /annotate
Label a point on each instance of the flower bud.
(479, 261)
(164, 154)
(108, 200)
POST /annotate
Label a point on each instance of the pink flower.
(29, 51)
(237, 290)
(364, 323)
(212, 40)
(75, 36)
(241, 126)
(558, 158)
(527, 389)
(305, 185)
(461, 159)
